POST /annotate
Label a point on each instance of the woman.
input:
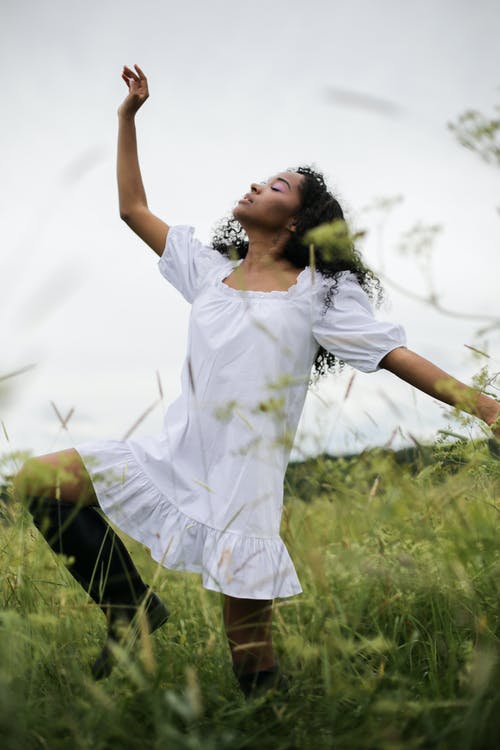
(206, 496)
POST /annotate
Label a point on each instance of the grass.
(393, 644)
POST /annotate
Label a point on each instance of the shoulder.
(182, 239)
(335, 290)
(343, 279)
(186, 262)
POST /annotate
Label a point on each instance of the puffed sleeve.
(349, 330)
(185, 261)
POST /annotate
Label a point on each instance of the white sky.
(238, 91)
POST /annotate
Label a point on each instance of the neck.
(265, 249)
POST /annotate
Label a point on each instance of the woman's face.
(270, 205)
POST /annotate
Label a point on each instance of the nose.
(255, 187)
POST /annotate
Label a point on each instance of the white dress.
(206, 494)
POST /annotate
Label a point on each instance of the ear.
(291, 224)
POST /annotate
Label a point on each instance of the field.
(393, 644)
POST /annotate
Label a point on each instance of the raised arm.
(430, 379)
(131, 194)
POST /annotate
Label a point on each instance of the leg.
(248, 624)
(61, 476)
(61, 499)
(59, 494)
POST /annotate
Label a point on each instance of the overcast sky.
(363, 90)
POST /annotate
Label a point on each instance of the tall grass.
(393, 644)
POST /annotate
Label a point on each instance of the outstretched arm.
(430, 379)
(132, 197)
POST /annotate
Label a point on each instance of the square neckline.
(273, 293)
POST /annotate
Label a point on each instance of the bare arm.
(430, 379)
(131, 194)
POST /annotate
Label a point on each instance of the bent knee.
(35, 477)
(60, 475)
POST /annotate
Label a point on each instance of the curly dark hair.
(318, 207)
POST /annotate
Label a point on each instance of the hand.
(495, 426)
(493, 420)
(137, 91)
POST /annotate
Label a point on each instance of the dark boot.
(102, 566)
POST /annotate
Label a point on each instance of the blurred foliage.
(479, 133)
(394, 643)
(335, 240)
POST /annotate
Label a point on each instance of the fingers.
(129, 73)
(136, 82)
(136, 76)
